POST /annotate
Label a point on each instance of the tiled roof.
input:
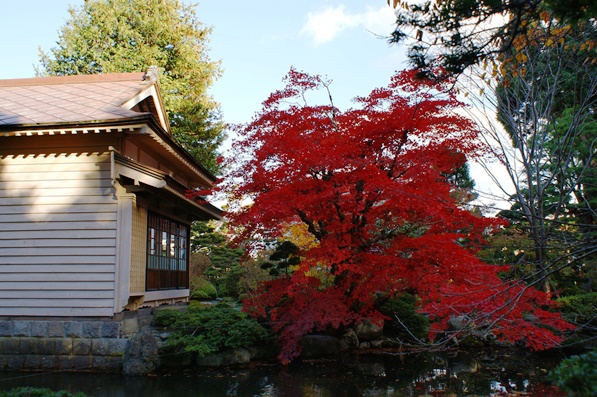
(67, 99)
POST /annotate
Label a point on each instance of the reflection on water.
(455, 374)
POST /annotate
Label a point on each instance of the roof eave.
(143, 118)
(83, 124)
(184, 155)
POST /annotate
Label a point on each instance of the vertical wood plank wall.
(57, 229)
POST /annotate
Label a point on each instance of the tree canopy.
(459, 33)
(546, 105)
(372, 186)
(113, 36)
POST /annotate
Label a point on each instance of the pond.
(486, 373)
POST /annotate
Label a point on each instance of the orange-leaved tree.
(371, 184)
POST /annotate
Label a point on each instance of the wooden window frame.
(168, 245)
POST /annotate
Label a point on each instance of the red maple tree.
(370, 185)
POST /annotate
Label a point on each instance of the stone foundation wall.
(61, 345)
(71, 344)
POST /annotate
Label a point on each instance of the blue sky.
(256, 41)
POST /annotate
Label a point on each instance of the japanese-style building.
(94, 219)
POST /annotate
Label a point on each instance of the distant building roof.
(68, 99)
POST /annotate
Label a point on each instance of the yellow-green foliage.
(201, 289)
(579, 308)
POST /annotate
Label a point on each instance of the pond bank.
(484, 373)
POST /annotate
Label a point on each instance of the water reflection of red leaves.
(541, 390)
(420, 386)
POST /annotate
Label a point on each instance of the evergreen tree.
(113, 36)
(457, 34)
(224, 259)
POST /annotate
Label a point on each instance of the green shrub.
(240, 280)
(577, 375)
(201, 289)
(579, 308)
(411, 326)
(166, 317)
(209, 329)
(37, 392)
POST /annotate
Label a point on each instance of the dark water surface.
(488, 373)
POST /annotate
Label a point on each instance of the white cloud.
(326, 24)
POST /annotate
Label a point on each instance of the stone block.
(3, 362)
(16, 363)
(114, 364)
(6, 328)
(100, 363)
(21, 328)
(65, 362)
(11, 346)
(130, 326)
(144, 321)
(74, 329)
(349, 340)
(29, 346)
(116, 347)
(39, 329)
(56, 329)
(141, 355)
(82, 363)
(92, 329)
(110, 329)
(32, 361)
(46, 346)
(99, 347)
(366, 331)
(63, 346)
(48, 362)
(81, 347)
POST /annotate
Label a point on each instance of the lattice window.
(167, 253)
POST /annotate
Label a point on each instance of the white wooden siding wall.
(57, 235)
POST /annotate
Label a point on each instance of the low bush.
(37, 392)
(209, 329)
(166, 317)
(201, 289)
(577, 375)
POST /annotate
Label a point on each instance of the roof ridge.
(74, 79)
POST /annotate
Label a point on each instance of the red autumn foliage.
(370, 185)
